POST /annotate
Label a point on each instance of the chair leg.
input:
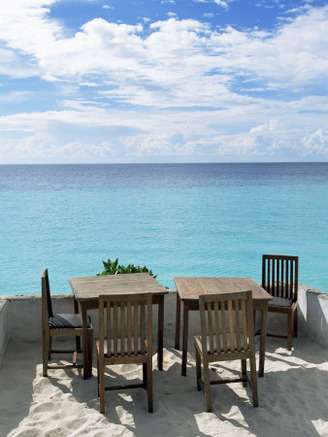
(198, 369)
(50, 348)
(45, 354)
(144, 375)
(150, 384)
(243, 371)
(78, 344)
(207, 390)
(254, 380)
(290, 330)
(90, 349)
(101, 385)
(295, 323)
(77, 339)
(98, 376)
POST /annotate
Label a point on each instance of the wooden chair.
(125, 336)
(60, 325)
(227, 333)
(280, 279)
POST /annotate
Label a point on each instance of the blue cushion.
(59, 321)
(281, 302)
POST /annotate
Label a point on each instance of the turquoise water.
(177, 219)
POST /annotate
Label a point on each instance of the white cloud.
(316, 143)
(185, 57)
(83, 131)
(222, 3)
(15, 66)
(266, 127)
(15, 96)
(189, 90)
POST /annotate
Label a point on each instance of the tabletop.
(190, 288)
(90, 287)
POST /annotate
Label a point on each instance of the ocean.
(176, 219)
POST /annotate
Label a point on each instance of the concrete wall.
(313, 315)
(20, 317)
(4, 332)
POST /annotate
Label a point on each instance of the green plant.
(113, 268)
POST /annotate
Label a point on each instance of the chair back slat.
(129, 328)
(280, 275)
(125, 322)
(142, 327)
(224, 328)
(210, 327)
(231, 325)
(123, 328)
(110, 329)
(226, 322)
(217, 325)
(245, 310)
(284, 278)
(135, 327)
(46, 297)
(239, 330)
(115, 327)
(279, 282)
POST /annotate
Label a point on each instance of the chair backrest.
(280, 275)
(125, 321)
(227, 322)
(46, 298)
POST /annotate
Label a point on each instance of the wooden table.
(88, 289)
(188, 292)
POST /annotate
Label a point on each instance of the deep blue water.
(177, 219)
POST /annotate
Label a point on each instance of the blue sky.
(163, 81)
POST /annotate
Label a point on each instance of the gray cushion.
(59, 321)
(281, 301)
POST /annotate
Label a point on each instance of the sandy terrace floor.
(293, 398)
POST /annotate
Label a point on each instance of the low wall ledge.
(17, 297)
(320, 294)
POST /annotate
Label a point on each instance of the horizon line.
(166, 163)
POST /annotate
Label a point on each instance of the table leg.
(160, 332)
(177, 322)
(185, 339)
(87, 372)
(264, 318)
(78, 339)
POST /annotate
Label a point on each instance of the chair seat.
(125, 347)
(70, 321)
(281, 302)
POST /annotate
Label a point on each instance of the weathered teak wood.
(88, 289)
(189, 289)
(49, 331)
(125, 336)
(227, 333)
(280, 279)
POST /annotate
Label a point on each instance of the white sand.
(293, 399)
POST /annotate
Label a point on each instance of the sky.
(122, 81)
